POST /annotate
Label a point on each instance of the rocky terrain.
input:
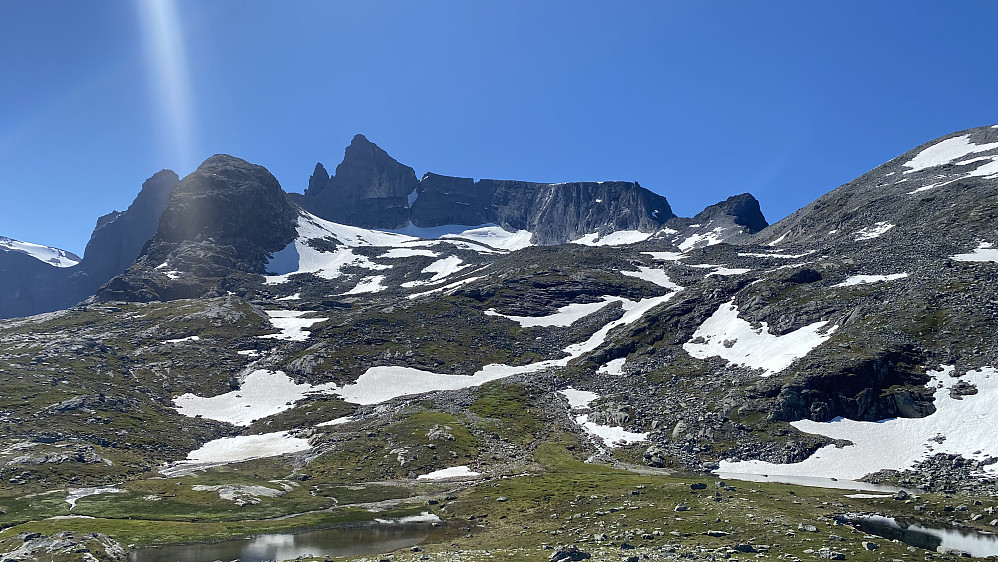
(545, 371)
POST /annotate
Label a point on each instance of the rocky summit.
(511, 370)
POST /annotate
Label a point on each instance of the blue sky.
(696, 100)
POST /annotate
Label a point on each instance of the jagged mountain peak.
(743, 209)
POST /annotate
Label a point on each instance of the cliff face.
(371, 189)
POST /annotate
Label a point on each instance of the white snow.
(946, 151)
(447, 287)
(721, 270)
(702, 239)
(442, 269)
(578, 398)
(777, 255)
(262, 393)
(452, 472)
(566, 315)
(985, 251)
(874, 231)
(173, 274)
(47, 254)
(77, 493)
(778, 240)
(337, 421)
(959, 426)
(488, 235)
(653, 275)
(380, 384)
(291, 325)
(666, 256)
(239, 493)
(299, 257)
(371, 284)
(727, 336)
(249, 353)
(868, 496)
(294, 297)
(397, 253)
(611, 436)
(618, 238)
(238, 449)
(424, 517)
(864, 279)
(614, 367)
(181, 340)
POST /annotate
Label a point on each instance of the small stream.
(975, 543)
(357, 540)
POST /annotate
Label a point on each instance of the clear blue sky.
(696, 100)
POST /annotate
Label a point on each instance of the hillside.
(522, 365)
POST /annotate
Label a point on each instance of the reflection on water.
(974, 543)
(350, 541)
(809, 481)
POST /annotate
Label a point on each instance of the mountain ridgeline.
(528, 363)
(228, 216)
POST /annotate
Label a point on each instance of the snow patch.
(611, 436)
(452, 472)
(985, 251)
(702, 239)
(181, 340)
(398, 253)
(727, 336)
(337, 421)
(962, 425)
(566, 315)
(291, 325)
(78, 493)
(946, 151)
(262, 393)
(424, 517)
(864, 279)
(46, 254)
(618, 238)
(874, 231)
(653, 275)
(666, 256)
(614, 367)
(578, 398)
(371, 284)
(241, 448)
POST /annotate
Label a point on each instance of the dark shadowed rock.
(369, 189)
(218, 229)
(449, 200)
(743, 209)
(317, 181)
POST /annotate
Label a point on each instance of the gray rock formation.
(221, 224)
(32, 287)
(369, 189)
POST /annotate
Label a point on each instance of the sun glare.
(168, 72)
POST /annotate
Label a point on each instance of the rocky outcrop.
(32, 286)
(370, 189)
(219, 228)
(741, 209)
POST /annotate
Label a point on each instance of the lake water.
(975, 543)
(345, 541)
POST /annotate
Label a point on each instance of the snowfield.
(262, 393)
(865, 279)
(229, 450)
(618, 238)
(610, 436)
(871, 232)
(727, 336)
(985, 251)
(291, 325)
(447, 473)
(961, 425)
(52, 256)
(945, 152)
(653, 275)
(566, 315)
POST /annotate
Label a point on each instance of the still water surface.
(345, 541)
